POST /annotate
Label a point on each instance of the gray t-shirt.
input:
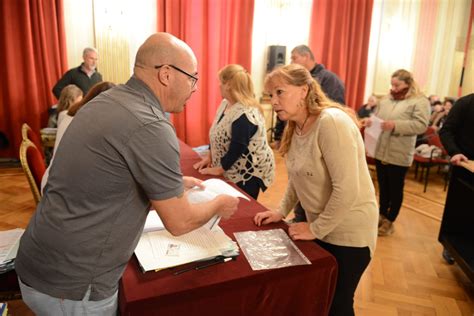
(118, 153)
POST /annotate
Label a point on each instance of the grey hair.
(88, 50)
(302, 50)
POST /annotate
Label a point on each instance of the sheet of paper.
(213, 188)
(160, 249)
(9, 242)
(153, 222)
(371, 135)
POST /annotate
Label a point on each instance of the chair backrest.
(28, 133)
(33, 166)
(432, 138)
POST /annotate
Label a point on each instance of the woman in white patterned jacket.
(238, 143)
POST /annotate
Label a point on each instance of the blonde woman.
(69, 95)
(328, 175)
(238, 143)
(405, 112)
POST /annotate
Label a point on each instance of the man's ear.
(164, 75)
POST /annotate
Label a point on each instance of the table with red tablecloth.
(232, 288)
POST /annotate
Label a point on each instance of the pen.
(183, 270)
(213, 263)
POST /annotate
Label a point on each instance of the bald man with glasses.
(119, 157)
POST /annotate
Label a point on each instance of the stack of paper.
(159, 249)
(9, 243)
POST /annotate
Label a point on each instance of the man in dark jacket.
(84, 76)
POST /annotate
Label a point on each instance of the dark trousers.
(251, 187)
(351, 262)
(391, 179)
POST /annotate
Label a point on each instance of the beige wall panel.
(79, 24)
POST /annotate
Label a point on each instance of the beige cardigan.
(411, 117)
(328, 174)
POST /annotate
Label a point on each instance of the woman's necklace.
(299, 130)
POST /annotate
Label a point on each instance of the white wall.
(136, 20)
(277, 22)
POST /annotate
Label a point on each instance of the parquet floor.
(407, 275)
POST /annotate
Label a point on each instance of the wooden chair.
(28, 133)
(33, 166)
(432, 137)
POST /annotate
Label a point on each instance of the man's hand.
(456, 159)
(267, 217)
(191, 182)
(228, 205)
(214, 171)
(300, 231)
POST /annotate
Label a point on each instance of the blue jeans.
(43, 304)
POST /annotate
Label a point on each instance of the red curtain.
(339, 38)
(220, 33)
(33, 55)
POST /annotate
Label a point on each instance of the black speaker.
(276, 56)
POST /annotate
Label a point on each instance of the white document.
(213, 188)
(153, 222)
(371, 135)
(9, 242)
(159, 249)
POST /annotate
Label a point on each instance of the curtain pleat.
(33, 46)
(339, 38)
(219, 32)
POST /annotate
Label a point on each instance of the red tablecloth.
(232, 288)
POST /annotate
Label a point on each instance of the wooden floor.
(407, 275)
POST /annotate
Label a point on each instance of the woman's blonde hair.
(315, 100)
(96, 89)
(407, 77)
(68, 96)
(240, 84)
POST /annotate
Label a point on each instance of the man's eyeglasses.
(194, 79)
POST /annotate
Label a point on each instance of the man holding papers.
(118, 154)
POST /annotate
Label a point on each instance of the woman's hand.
(366, 122)
(456, 159)
(191, 182)
(215, 171)
(204, 163)
(267, 217)
(388, 125)
(300, 231)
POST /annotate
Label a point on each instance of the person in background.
(434, 99)
(84, 76)
(328, 175)
(405, 112)
(436, 108)
(367, 109)
(119, 156)
(239, 149)
(67, 119)
(456, 135)
(441, 116)
(69, 95)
